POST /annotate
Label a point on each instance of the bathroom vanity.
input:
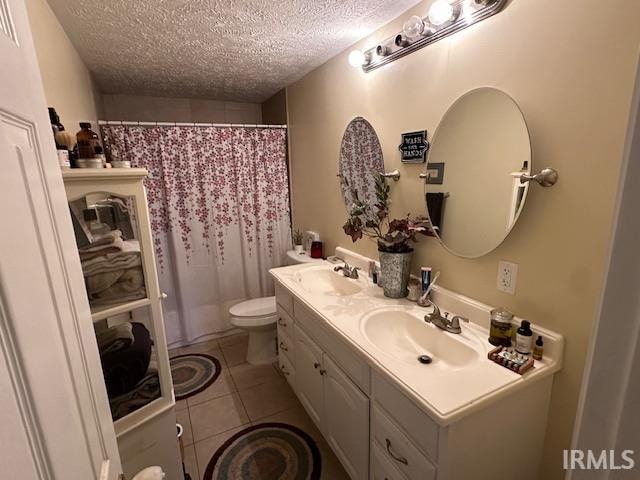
(351, 356)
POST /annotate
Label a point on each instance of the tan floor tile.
(206, 448)
(245, 375)
(222, 386)
(183, 419)
(235, 354)
(191, 463)
(234, 339)
(267, 399)
(217, 416)
(208, 348)
(181, 405)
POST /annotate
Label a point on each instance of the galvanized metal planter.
(395, 269)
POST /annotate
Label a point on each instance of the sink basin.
(405, 336)
(327, 282)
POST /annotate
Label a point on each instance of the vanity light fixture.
(356, 58)
(442, 12)
(444, 18)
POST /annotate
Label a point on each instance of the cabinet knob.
(316, 365)
(163, 296)
(397, 458)
(282, 323)
(284, 370)
(322, 371)
(283, 347)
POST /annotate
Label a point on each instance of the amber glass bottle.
(87, 141)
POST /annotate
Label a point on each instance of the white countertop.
(444, 392)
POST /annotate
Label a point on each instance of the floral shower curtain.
(219, 204)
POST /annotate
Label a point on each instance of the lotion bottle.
(524, 338)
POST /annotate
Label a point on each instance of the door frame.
(613, 359)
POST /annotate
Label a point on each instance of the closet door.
(346, 421)
(308, 376)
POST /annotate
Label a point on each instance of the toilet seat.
(258, 312)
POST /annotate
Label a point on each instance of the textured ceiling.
(242, 50)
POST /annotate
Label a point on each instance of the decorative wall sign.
(435, 173)
(414, 147)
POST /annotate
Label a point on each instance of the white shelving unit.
(146, 436)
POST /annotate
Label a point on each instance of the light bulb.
(413, 27)
(356, 58)
(441, 12)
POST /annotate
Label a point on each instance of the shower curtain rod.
(185, 124)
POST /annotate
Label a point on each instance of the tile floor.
(242, 395)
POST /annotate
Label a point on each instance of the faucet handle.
(455, 321)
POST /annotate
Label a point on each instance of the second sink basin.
(405, 336)
(323, 281)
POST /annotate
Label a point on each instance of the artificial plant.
(372, 221)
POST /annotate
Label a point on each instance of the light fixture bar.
(467, 12)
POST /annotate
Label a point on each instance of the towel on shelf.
(145, 392)
(115, 287)
(112, 262)
(109, 243)
(115, 338)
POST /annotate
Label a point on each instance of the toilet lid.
(296, 257)
(258, 307)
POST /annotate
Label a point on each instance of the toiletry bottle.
(500, 331)
(524, 338)
(87, 141)
(538, 349)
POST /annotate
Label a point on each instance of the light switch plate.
(507, 277)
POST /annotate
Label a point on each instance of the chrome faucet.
(443, 323)
(348, 271)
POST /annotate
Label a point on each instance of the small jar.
(316, 249)
(501, 328)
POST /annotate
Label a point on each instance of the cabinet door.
(308, 363)
(346, 423)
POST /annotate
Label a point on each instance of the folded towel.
(116, 287)
(105, 239)
(111, 262)
(115, 338)
(147, 390)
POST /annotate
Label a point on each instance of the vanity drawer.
(286, 345)
(352, 364)
(287, 369)
(284, 298)
(381, 468)
(285, 324)
(398, 449)
(414, 422)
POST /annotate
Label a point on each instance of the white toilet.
(259, 317)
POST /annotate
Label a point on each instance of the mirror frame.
(526, 185)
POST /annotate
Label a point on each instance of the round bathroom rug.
(268, 451)
(193, 373)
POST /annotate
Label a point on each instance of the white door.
(53, 405)
(308, 377)
(346, 420)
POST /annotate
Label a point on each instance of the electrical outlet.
(507, 277)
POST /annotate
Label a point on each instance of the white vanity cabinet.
(377, 427)
(333, 401)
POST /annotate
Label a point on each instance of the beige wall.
(67, 82)
(274, 109)
(163, 109)
(570, 66)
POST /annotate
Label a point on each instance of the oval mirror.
(360, 155)
(473, 192)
